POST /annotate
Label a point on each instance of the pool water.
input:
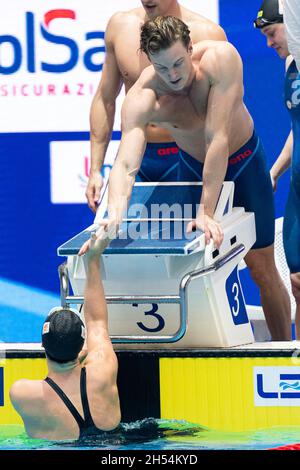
(150, 434)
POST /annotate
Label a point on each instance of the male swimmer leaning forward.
(124, 63)
(198, 98)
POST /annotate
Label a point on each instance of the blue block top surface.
(155, 224)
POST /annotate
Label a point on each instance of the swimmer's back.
(46, 416)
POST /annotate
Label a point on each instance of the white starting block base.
(216, 311)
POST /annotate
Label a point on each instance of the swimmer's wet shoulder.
(84, 403)
(128, 24)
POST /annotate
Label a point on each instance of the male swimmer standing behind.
(270, 22)
(124, 63)
(78, 398)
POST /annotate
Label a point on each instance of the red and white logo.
(52, 53)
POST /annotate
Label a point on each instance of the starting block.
(163, 286)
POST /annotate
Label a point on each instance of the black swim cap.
(270, 12)
(63, 334)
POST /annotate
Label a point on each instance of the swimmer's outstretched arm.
(224, 67)
(95, 308)
(283, 162)
(136, 113)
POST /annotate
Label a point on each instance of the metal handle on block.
(181, 299)
(64, 284)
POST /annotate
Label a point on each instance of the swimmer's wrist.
(206, 213)
(274, 174)
(95, 171)
(115, 223)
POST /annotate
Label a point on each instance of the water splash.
(152, 434)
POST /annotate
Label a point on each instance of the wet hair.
(162, 32)
(63, 335)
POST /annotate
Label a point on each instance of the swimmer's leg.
(253, 191)
(291, 242)
(295, 281)
(274, 296)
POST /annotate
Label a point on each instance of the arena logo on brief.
(239, 158)
(168, 151)
(1, 387)
(276, 386)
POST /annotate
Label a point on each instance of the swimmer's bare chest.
(130, 60)
(185, 121)
(175, 121)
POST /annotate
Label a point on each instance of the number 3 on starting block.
(236, 299)
(152, 313)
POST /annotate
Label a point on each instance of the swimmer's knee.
(295, 282)
(261, 264)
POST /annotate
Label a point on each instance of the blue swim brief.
(160, 163)
(253, 188)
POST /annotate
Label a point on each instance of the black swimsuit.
(86, 426)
